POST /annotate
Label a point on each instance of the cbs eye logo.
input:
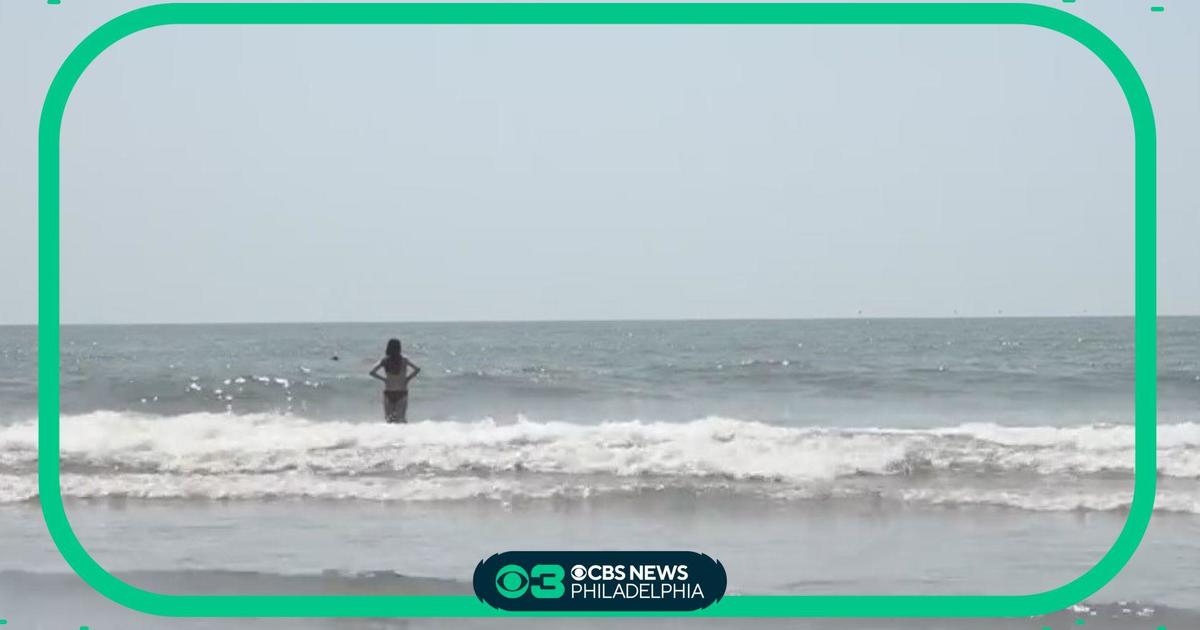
(543, 581)
(512, 581)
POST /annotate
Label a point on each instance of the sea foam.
(227, 456)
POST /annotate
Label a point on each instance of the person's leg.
(402, 408)
(389, 407)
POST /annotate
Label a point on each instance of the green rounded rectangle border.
(1145, 351)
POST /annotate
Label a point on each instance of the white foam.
(213, 442)
(297, 485)
(1165, 501)
(242, 456)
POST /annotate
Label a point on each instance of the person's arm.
(375, 372)
(415, 372)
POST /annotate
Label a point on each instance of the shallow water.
(883, 456)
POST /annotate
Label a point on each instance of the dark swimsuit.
(395, 401)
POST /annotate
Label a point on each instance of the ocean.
(856, 456)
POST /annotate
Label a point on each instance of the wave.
(226, 456)
(713, 446)
(291, 486)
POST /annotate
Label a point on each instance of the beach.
(957, 456)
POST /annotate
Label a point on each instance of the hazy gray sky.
(468, 173)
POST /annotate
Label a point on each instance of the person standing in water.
(395, 381)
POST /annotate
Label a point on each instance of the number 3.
(550, 576)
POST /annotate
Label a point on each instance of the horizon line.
(596, 321)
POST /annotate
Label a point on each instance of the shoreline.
(30, 596)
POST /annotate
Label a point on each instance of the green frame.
(1105, 49)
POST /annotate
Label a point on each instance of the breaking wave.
(259, 456)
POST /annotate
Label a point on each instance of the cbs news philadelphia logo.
(599, 580)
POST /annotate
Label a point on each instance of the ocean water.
(813, 456)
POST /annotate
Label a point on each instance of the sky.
(390, 173)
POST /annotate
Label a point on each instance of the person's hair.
(392, 361)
